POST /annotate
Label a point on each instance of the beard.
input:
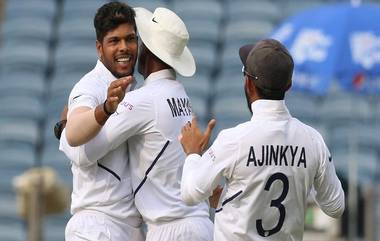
(247, 99)
(121, 75)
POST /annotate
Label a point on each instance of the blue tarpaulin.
(334, 42)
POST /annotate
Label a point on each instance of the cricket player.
(102, 199)
(271, 163)
(150, 119)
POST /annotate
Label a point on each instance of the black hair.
(270, 95)
(110, 16)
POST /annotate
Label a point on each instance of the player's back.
(275, 166)
(157, 157)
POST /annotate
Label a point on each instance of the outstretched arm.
(84, 123)
(134, 115)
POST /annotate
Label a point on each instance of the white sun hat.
(166, 36)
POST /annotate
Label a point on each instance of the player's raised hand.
(116, 92)
(207, 134)
(192, 138)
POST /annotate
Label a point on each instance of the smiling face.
(118, 50)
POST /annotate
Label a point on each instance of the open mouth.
(124, 60)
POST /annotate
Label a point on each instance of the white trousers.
(96, 226)
(186, 229)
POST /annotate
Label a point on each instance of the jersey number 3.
(275, 203)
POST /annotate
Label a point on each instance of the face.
(118, 50)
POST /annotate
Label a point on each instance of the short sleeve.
(83, 95)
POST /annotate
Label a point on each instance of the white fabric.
(91, 90)
(246, 156)
(95, 226)
(166, 36)
(102, 184)
(148, 122)
(186, 229)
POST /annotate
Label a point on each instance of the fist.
(116, 92)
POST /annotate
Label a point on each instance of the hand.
(214, 198)
(192, 139)
(116, 92)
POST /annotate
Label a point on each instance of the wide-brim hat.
(166, 36)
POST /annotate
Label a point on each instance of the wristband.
(100, 114)
(105, 109)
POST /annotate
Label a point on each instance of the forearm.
(329, 193)
(97, 147)
(114, 133)
(333, 205)
(84, 124)
(81, 127)
(88, 153)
(193, 186)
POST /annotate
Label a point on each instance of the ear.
(249, 85)
(99, 49)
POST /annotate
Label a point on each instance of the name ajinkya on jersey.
(278, 155)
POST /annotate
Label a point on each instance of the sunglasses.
(248, 74)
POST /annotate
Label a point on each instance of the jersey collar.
(104, 73)
(269, 109)
(162, 74)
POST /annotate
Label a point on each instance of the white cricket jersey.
(102, 184)
(151, 118)
(271, 164)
